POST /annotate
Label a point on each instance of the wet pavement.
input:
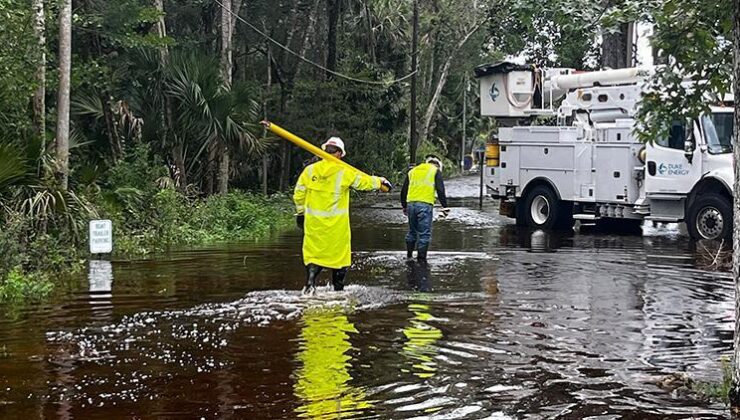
(502, 323)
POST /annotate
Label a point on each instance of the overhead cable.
(313, 63)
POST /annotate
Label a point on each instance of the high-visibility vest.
(322, 195)
(421, 183)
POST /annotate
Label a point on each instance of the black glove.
(299, 220)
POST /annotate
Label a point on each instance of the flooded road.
(502, 323)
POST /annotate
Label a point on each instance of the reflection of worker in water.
(323, 381)
(417, 199)
(421, 347)
(322, 203)
(417, 276)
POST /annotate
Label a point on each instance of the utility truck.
(587, 164)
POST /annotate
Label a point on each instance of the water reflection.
(421, 345)
(323, 380)
(417, 276)
(100, 278)
(537, 241)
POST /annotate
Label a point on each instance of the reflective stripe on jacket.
(421, 183)
(322, 194)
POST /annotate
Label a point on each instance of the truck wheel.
(543, 210)
(710, 217)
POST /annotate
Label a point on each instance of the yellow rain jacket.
(322, 195)
(421, 184)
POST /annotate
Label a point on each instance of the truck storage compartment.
(615, 180)
(545, 134)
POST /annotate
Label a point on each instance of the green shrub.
(720, 390)
(20, 286)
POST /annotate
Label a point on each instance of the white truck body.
(591, 167)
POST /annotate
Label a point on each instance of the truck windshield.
(718, 129)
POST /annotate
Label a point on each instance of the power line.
(313, 63)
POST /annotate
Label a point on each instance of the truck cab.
(698, 172)
(586, 163)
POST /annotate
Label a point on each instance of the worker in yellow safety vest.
(417, 200)
(322, 205)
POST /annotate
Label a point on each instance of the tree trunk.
(223, 171)
(370, 33)
(332, 7)
(65, 70)
(39, 96)
(294, 74)
(265, 162)
(169, 139)
(181, 177)
(616, 48)
(413, 141)
(432, 108)
(735, 388)
(292, 29)
(161, 28)
(237, 6)
(211, 167)
(111, 126)
(306, 39)
(225, 70)
(226, 51)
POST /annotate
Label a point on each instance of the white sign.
(101, 236)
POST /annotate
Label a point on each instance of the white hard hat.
(336, 142)
(435, 160)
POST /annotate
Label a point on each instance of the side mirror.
(688, 150)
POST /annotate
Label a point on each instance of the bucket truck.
(588, 165)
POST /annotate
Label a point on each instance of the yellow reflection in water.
(421, 347)
(323, 381)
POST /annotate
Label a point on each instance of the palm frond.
(88, 105)
(13, 166)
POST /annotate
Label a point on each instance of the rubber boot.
(337, 278)
(312, 275)
(410, 247)
(421, 255)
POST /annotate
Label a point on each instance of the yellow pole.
(303, 144)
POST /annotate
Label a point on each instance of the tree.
(63, 101)
(735, 389)
(616, 47)
(332, 10)
(207, 114)
(39, 96)
(414, 138)
(226, 72)
(431, 109)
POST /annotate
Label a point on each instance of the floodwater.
(502, 323)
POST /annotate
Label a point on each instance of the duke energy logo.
(672, 169)
(494, 92)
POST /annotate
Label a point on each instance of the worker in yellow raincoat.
(322, 205)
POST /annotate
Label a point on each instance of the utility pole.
(464, 127)
(414, 78)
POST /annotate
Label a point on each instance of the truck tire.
(520, 213)
(710, 217)
(543, 210)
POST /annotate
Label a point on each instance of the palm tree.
(207, 114)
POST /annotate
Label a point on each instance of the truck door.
(669, 170)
